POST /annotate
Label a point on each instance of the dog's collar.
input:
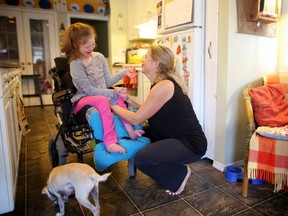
(53, 195)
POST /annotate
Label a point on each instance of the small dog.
(74, 178)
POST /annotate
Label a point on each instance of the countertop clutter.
(136, 59)
(8, 64)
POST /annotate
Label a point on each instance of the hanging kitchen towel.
(131, 83)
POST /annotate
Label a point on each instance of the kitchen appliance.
(135, 56)
(186, 39)
(187, 46)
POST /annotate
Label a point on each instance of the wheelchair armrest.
(59, 97)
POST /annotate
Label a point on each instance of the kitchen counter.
(11, 135)
(118, 64)
(5, 64)
(133, 65)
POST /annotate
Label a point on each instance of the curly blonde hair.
(166, 65)
(75, 35)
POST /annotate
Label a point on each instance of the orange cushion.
(270, 105)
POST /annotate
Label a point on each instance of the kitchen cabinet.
(134, 8)
(141, 12)
(10, 139)
(28, 37)
(147, 11)
(211, 59)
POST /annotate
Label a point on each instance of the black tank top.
(177, 119)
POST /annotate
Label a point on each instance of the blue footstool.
(104, 159)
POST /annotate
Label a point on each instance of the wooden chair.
(251, 128)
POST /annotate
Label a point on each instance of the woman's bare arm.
(157, 97)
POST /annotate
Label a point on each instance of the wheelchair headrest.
(62, 66)
(61, 75)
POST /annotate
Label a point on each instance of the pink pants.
(102, 104)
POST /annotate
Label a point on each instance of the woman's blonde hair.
(75, 35)
(166, 65)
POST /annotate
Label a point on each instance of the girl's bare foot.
(133, 134)
(115, 148)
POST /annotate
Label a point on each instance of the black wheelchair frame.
(73, 130)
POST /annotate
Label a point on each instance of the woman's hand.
(131, 72)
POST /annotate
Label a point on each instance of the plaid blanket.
(268, 161)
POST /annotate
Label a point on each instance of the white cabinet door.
(41, 49)
(211, 74)
(142, 12)
(39, 34)
(10, 137)
(9, 169)
(148, 10)
(34, 46)
(133, 18)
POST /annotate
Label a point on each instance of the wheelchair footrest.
(85, 151)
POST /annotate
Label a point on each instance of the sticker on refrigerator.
(184, 61)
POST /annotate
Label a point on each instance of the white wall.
(241, 59)
(283, 42)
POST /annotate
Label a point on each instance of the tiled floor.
(206, 193)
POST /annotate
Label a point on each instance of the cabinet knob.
(29, 63)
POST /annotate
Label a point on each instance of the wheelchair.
(73, 130)
(75, 134)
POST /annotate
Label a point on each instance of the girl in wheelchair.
(91, 77)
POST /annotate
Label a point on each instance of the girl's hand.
(121, 92)
(131, 72)
(124, 96)
(118, 89)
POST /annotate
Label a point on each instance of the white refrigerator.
(188, 50)
(181, 28)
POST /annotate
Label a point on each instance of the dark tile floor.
(206, 193)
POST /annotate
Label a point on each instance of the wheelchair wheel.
(57, 152)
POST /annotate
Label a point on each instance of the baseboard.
(221, 167)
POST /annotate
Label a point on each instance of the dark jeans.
(164, 161)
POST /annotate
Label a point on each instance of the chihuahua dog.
(74, 178)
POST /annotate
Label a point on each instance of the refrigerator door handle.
(209, 49)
